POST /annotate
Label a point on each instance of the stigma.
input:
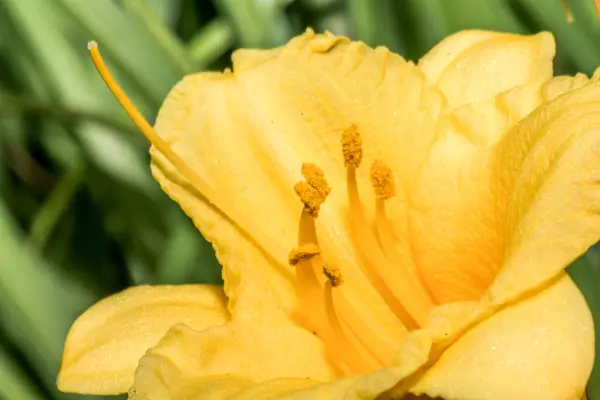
(355, 345)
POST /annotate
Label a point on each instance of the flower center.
(355, 345)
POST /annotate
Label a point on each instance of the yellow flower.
(442, 202)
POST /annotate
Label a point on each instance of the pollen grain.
(352, 147)
(310, 197)
(333, 274)
(382, 180)
(303, 252)
(316, 178)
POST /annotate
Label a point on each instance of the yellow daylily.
(441, 203)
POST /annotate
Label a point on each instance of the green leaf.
(38, 303)
(159, 33)
(211, 42)
(258, 23)
(16, 384)
(188, 257)
(55, 206)
(377, 26)
(144, 62)
(73, 79)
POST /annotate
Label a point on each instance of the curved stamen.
(378, 269)
(349, 352)
(404, 272)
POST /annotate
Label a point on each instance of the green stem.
(54, 207)
(165, 39)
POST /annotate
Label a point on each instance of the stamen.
(310, 197)
(382, 179)
(349, 355)
(302, 253)
(316, 178)
(352, 147)
(333, 275)
(396, 291)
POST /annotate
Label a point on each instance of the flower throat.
(355, 345)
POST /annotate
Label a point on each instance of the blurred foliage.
(81, 217)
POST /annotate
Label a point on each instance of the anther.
(352, 147)
(333, 274)
(304, 252)
(310, 197)
(382, 180)
(316, 178)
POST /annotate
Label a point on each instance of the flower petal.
(460, 189)
(548, 172)
(248, 132)
(471, 66)
(550, 331)
(491, 81)
(228, 387)
(105, 344)
(184, 358)
(545, 179)
(262, 341)
(539, 348)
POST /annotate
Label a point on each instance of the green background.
(81, 217)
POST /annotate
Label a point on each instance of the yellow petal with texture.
(491, 81)
(549, 180)
(545, 178)
(105, 344)
(471, 66)
(539, 348)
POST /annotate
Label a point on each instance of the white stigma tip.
(92, 45)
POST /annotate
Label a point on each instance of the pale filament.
(317, 298)
(405, 269)
(375, 265)
(405, 295)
